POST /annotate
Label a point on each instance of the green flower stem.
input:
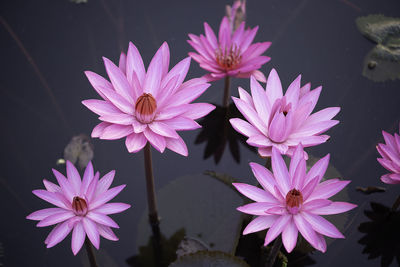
(151, 194)
(227, 92)
(90, 253)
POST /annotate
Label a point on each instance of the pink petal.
(293, 92)
(117, 100)
(246, 97)
(248, 38)
(135, 142)
(104, 183)
(156, 140)
(101, 107)
(92, 187)
(58, 234)
(167, 91)
(165, 58)
(138, 127)
(50, 186)
(307, 231)
(212, 39)
(97, 81)
(198, 110)
(277, 128)
(261, 103)
(188, 95)
(87, 178)
(102, 219)
(323, 115)
(257, 208)
(51, 197)
(153, 78)
(277, 228)
(106, 232)
(177, 145)
(179, 70)
(172, 112)
(182, 124)
(91, 231)
(66, 188)
(328, 188)
(42, 214)
(224, 35)
(250, 114)
(289, 236)
(105, 197)
(122, 62)
(277, 210)
(322, 226)
(112, 208)
(122, 119)
(119, 81)
(78, 238)
(99, 129)
(260, 223)
(298, 156)
(315, 204)
(135, 64)
(274, 87)
(318, 169)
(116, 131)
(259, 141)
(56, 218)
(244, 127)
(309, 188)
(74, 178)
(280, 172)
(333, 208)
(312, 97)
(163, 129)
(386, 179)
(254, 193)
(259, 76)
(305, 89)
(299, 175)
(264, 177)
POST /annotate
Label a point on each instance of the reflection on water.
(217, 131)
(382, 235)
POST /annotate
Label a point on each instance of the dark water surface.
(53, 42)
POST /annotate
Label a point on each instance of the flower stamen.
(228, 59)
(294, 199)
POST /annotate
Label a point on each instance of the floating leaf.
(190, 245)
(383, 61)
(370, 189)
(203, 206)
(378, 28)
(209, 259)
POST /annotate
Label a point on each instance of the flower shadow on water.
(382, 238)
(217, 132)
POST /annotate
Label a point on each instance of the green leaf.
(209, 259)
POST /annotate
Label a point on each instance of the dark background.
(42, 85)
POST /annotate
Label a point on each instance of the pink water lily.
(232, 54)
(236, 14)
(291, 201)
(282, 121)
(147, 106)
(390, 152)
(81, 207)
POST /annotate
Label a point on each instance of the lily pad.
(378, 28)
(203, 206)
(209, 259)
(79, 151)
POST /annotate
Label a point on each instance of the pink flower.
(390, 160)
(282, 121)
(233, 54)
(81, 207)
(147, 106)
(291, 201)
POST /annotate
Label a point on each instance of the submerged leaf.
(79, 151)
(190, 245)
(378, 27)
(370, 189)
(209, 259)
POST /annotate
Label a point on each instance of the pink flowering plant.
(282, 121)
(81, 207)
(147, 106)
(232, 54)
(390, 153)
(291, 201)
